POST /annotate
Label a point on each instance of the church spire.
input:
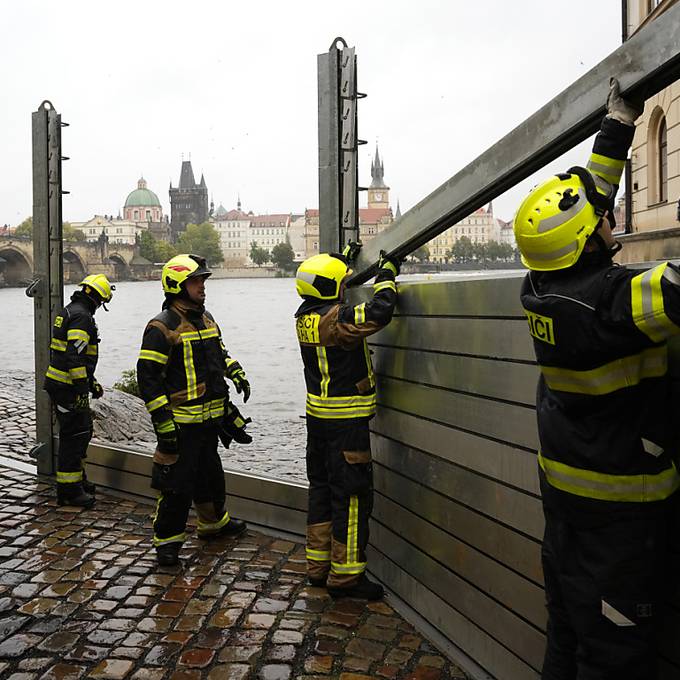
(398, 213)
(377, 171)
(238, 202)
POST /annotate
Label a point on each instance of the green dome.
(142, 197)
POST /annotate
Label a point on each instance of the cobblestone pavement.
(81, 596)
(120, 418)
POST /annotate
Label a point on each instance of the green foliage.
(283, 255)
(462, 250)
(201, 239)
(155, 250)
(128, 383)
(25, 229)
(69, 233)
(422, 254)
(258, 255)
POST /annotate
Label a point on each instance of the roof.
(274, 220)
(142, 198)
(312, 212)
(373, 215)
(236, 215)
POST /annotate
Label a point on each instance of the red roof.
(373, 215)
(312, 212)
(235, 215)
(271, 220)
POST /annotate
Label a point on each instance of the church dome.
(142, 197)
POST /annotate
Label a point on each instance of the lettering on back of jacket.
(541, 327)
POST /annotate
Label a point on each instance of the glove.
(351, 250)
(81, 402)
(238, 376)
(389, 262)
(618, 108)
(233, 426)
(166, 434)
(96, 390)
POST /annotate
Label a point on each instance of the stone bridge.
(118, 261)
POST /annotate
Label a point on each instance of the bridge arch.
(120, 266)
(74, 267)
(16, 267)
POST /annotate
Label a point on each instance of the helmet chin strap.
(603, 248)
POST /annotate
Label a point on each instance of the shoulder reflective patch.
(307, 328)
(58, 321)
(541, 327)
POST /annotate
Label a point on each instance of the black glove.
(81, 402)
(238, 376)
(96, 390)
(389, 262)
(233, 426)
(166, 434)
(351, 250)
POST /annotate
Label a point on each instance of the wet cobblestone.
(84, 599)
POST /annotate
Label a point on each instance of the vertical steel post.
(47, 288)
(349, 224)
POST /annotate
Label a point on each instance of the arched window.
(657, 158)
(663, 160)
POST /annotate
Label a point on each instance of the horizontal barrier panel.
(509, 589)
(513, 424)
(486, 377)
(496, 460)
(477, 607)
(503, 544)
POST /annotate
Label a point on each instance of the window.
(136, 214)
(663, 161)
(657, 158)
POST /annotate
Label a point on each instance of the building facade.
(655, 154)
(188, 201)
(116, 230)
(480, 227)
(233, 226)
(266, 231)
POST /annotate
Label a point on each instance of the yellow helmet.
(556, 219)
(320, 276)
(100, 285)
(180, 268)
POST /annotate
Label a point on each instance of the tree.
(70, 233)
(462, 250)
(153, 249)
(422, 254)
(282, 256)
(258, 255)
(25, 229)
(201, 239)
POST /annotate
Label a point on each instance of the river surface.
(256, 319)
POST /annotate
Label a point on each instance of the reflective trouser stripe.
(156, 403)
(352, 529)
(623, 488)
(59, 376)
(179, 538)
(647, 303)
(318, 555)
(69, 477)
(204, 527)
(624, 372)
(348, 567)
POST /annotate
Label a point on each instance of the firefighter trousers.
(75, 432)
(340, 477)
(606, 577)
(196, 475)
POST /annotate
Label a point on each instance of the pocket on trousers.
(358, 472)
(163, 472)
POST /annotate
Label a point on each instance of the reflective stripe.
(647, 303)
(360, 313)
(348, 567)
(151, 355)
(353, 529)
(555, 254)
(199, 335)
(384, 284)
(323, 368)
(178, 538)
(204, 527)
(59, 376)
(69, 477)
(199, 413)
(92, 350)
(78, 334)
(369, 364)
(190, 370)
(623, 488)
(615, 616)
(558, 220)
(166, 426)
(651, 448)
(78, 373)
(318, 555)
(606, 167)
(336, 413)
(58, 345)
(616, 375)
(156, 403)
(357, 406)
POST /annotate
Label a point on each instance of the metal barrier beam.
(645, 64)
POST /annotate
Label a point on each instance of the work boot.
(363, 589)
(74, 494)
(167, 555)
(317, 582)
(233, 528)
(88, 487)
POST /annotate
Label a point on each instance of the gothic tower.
(378, 192)
(188, 202)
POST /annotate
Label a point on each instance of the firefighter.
(341, 399)
(69, 380)
(605, 417)
(181, 375)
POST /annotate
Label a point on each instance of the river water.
(256, 319)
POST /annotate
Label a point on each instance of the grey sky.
(234, 84)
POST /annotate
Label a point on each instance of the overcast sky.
(234, 85)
